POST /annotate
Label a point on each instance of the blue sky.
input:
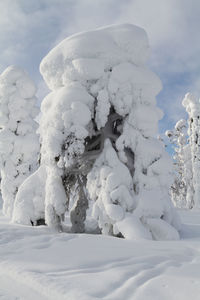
(30, 28)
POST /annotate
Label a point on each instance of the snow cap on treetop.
(105, 47)
(191, 104)
(189, 98)
(15, 76)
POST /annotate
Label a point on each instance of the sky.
(30, 28)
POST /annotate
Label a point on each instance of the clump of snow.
(29, 202)
(55, 199)
(110, 183)
(88, 68)
(132, 228)
(161, 230)
(19, 144)
(99, 128)
(101, 48)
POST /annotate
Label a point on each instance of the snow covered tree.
(98, 135)
(192, 106)
(181, 188)
(186, 188)
(19, 144)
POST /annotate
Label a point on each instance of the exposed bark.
(74, 178)
(78, 212)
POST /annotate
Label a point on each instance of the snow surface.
(37, 263)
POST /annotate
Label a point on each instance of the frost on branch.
(98, 134)
(19, 145)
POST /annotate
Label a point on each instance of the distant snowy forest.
(93, 161)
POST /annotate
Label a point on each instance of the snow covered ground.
(37, 263)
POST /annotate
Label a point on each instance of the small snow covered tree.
(186, 188)
(183, 174)
(98, 136)
(19, 144)
(192, 106)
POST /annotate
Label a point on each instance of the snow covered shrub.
(19, 145)
(98, 130)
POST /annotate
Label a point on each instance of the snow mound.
(113, 45)
(161, 230)
(132, 228)
(29, 201)
(15, 76)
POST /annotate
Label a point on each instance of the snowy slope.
(36, 263)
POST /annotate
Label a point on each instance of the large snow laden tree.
(98, 130)
(19, 144)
